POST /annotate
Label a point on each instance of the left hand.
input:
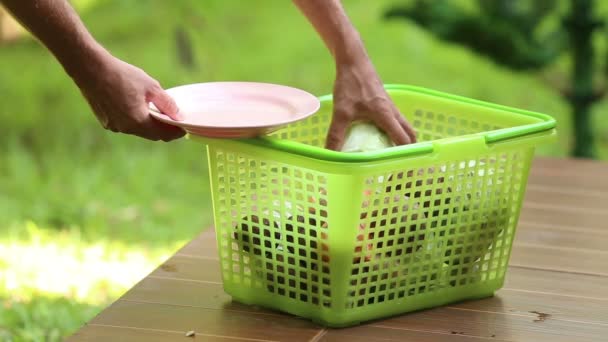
(119, 93)
(360, 96)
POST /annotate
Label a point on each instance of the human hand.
(119, 94)
(360, 96)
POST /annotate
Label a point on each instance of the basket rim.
(545, 125)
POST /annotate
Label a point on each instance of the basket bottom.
(333, 318)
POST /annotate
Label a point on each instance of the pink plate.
(237, 109)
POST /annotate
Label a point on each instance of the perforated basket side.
(437, 227)
(271, 224)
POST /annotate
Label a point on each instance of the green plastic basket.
(343, 238)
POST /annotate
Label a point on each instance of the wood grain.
(539, 214)
(518, 278)
(570, 237)
(573, 309)
(104, 333)
(585, 174)
(560, 283)
(188, 293)
(203, 246)
(507, 301)
(188, 268)
(571, 198)
(378, 334)
(560, 259)
(574, 181)
(585, 169)
(485, 324)
(226, 323)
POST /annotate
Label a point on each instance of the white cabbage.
(365, 137)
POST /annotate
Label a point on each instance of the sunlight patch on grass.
(61, 264)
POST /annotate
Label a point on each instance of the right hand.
(119, 94)
(360, 96)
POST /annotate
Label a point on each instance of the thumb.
(165, 104)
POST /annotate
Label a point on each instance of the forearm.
(331, 22)
(358, 91)
(58, 27)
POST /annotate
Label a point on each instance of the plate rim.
(301, 116)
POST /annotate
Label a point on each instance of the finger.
(152, 129)
(337, 133)
(156, 130)
(165, 103)
(166, 132)
(407, 127)
(393, 128)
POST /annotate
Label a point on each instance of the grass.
(74, 197)
(46, 300)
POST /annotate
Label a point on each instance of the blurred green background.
(85, 213)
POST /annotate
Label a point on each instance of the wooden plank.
(104, 333)
(567, 179)
(221, 323)
(568, 189)
(509, 302)
(560, 259)
(600, 232)
(376, 334)
(183, 267)
(203, 246)
(510, 327)
(569, 166)
(557, 216)
(559, 283)
(531, 233)
(211, 296)
(569, 173)
(188, 293)
(565, 210)
(573, 309)
(518, 278)
(362, 334)
(571, 198)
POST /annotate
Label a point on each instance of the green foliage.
(507, 31)
(581, 24)
(41, 319)
(54, 281)
(525, 15)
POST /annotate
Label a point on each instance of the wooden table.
(556, 288)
